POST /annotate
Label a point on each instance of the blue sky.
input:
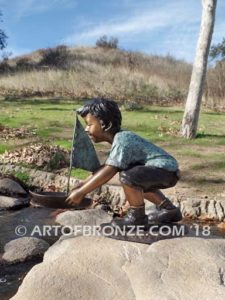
(152, 26)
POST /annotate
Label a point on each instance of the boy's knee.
(125, 177)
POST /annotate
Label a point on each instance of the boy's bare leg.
(156, 197)
(133, 196)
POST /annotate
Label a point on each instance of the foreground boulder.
(103, 268)
(24, 248)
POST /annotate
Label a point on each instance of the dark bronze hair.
(107, 111)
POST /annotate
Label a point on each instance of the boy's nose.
(86, 129)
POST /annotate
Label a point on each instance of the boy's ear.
(104, 126)
(109, 127)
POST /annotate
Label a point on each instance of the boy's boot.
(166, 212)
(135, 217)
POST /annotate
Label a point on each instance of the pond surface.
(11, 276)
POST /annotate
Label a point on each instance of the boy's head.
(105, 112)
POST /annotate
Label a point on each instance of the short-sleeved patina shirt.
(129, 149)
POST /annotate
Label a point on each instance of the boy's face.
(94, 129)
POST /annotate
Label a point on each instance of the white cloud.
(175, 22)
(23, 8)
(144, 19)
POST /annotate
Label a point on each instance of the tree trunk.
(193, 104)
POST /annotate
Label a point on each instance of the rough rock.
(9, 202)
(211, 209)
(190, 208)
(40, 178)
(83, 217)
(219, 211)
(9, 186)
(221, 225)
(203, 209)
(24, 248)
(113, 195)
(103, 268)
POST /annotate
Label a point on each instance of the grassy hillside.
(78, 73)
(88, 72)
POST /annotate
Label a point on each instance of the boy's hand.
(75, 197)
(94, 181)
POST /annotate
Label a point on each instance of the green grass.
(153, 123)
(3, 148)
(64, 143)
(79, 173)
(54, 121)
(23, 176)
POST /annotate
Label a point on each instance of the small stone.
(212, 210)
(203, 207)
(9, 202)
(190, 208)
(219, 211)
(9, 186)
(24, 248)
(221, 225)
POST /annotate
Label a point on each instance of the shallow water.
(11, 275)
(28, 217)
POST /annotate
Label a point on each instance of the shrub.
(24, 63)
(131, 106)
(174, 94)
(5, 67)
(55, 57)
(107, 43)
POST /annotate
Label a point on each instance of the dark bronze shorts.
(149, 178)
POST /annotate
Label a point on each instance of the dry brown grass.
(215, 86)
(92, 72)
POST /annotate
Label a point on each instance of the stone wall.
(195, 208)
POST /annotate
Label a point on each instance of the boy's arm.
(83, 181)
(99, 178)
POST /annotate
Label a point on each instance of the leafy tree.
(218, 51)
(3, 36)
